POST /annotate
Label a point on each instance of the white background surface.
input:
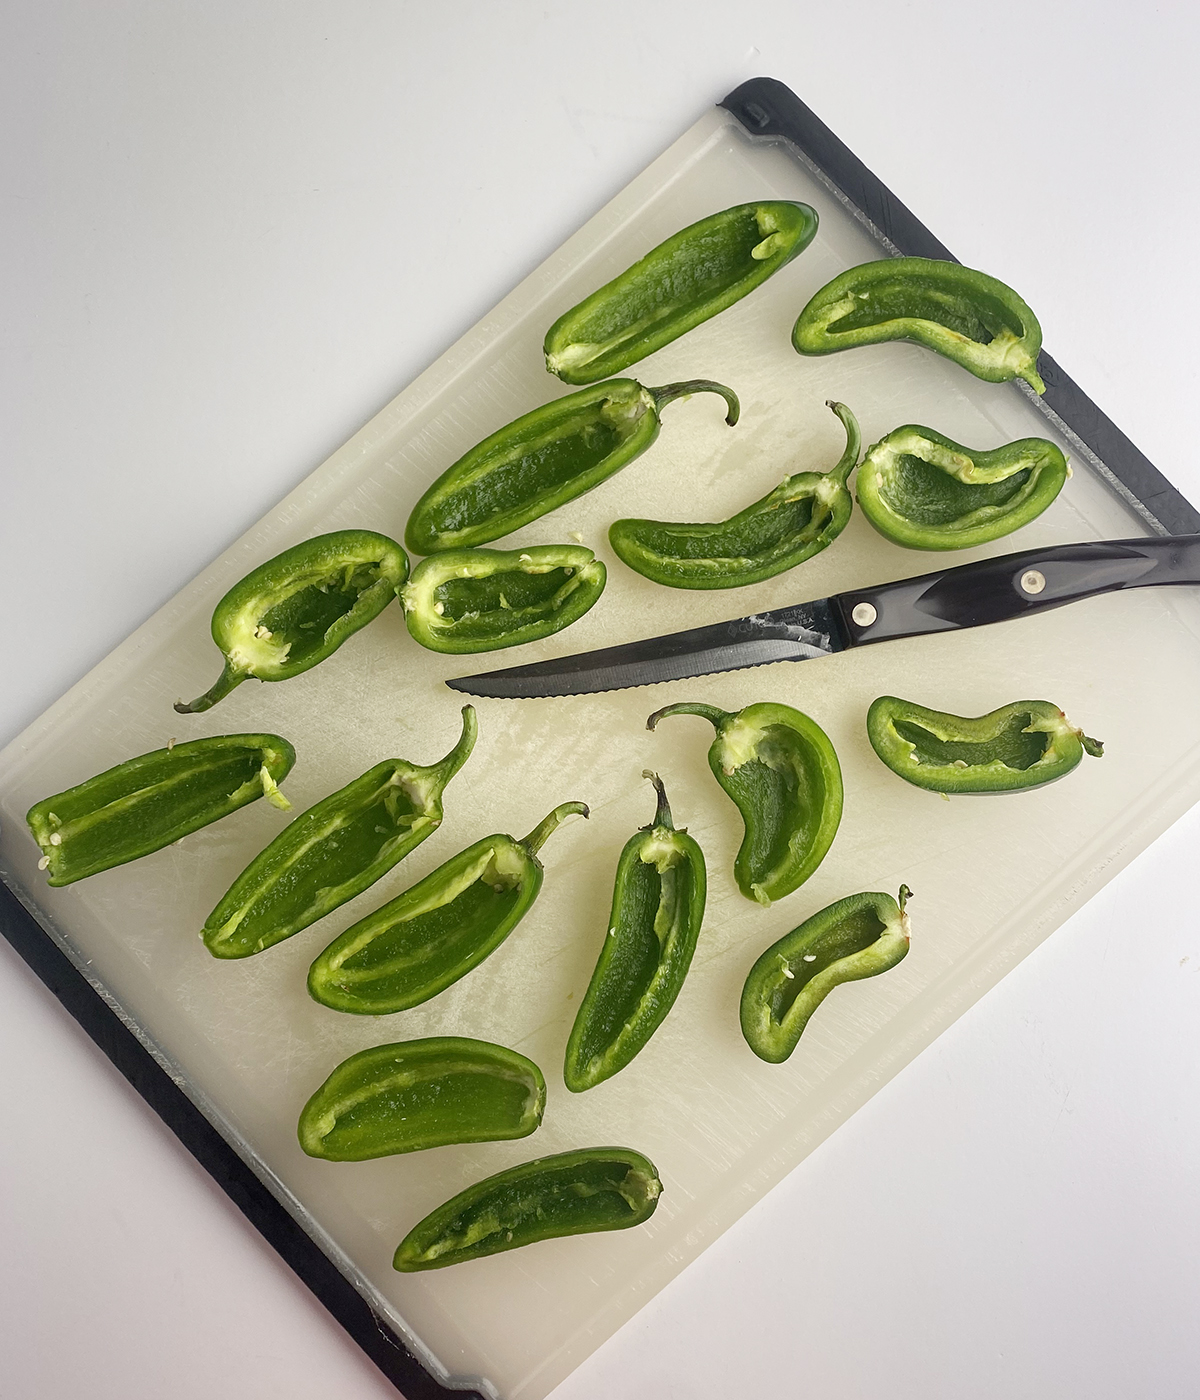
(232, 232)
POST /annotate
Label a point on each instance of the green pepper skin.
(967, 316)
(783, 774)
(544, 459)
(925, 491)
(296, 609)
(696, 273)
(148, 802)
(802, 516)
(481, 599)
(334, 851)
(1019, 746)
(425, 939)
(420, 1094)
(572, 1193)
(857, 937)
(657, 910)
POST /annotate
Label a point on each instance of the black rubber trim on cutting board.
(268, 1216)
(767, 108)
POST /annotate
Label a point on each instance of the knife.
(971, 595)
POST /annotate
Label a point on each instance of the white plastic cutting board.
(992, 876)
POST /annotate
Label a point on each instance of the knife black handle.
(1012, 585)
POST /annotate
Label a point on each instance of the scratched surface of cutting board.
(992, 876)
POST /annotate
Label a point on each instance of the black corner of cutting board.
(769, 108)
(215, 1155)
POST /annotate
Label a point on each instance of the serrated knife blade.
(787, 634)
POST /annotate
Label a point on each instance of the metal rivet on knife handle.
(1033, 581)
(864, 614)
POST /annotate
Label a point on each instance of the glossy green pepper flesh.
(969, 317)
(425, 939)
(544, 459)
(657, 910)
(803, 515)
(334, 851)
(296, 609)
(857, 937)
(573, 1193)
(149, 802)
(925, 491)
(781, 771)
(696, 273)
(464, 600)
(1018, 746)
(420, 1094)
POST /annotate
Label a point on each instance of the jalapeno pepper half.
(924, 491)
(146, 803)
(544, 459)
(334, 851)
(782, 772)
(969, 317)
(298, 608)
(1018, 746)
(573, 1193)
(697, 272)
(419, 1094)
(424, 940)
(657, 909)
(857, 937)
(802, 516)
(481, 599)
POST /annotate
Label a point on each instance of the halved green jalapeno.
(782, 772)
(481, 599)
(969, 317)
(925, 491)
(298, 608)
(1018, 746)
(544, 459)
(697, 272)
(573, 1193)
(657, 910)
(857, 937)
(802, 516)
(424, 940)
(146, 803)
(334, 851)
(420, 1094)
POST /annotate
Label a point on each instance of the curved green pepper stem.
(446, 768)
(666, 393)
(536, 839)
(712, 713)
(231, 677)
(849, 458)
(662, 816)
(903, 897)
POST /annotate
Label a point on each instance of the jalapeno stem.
(849, 458)
(665, 393)
(534, 842)
(458, 755)
(231, 677)
(903, 897)
(662, 816)
(711, 713)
